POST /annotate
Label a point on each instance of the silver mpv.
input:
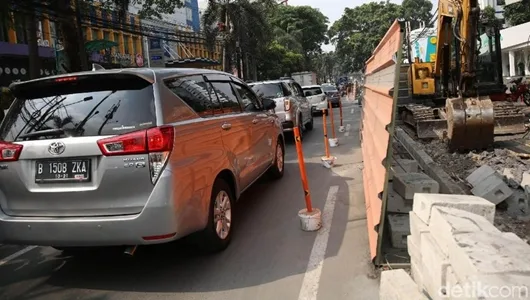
(132, 157)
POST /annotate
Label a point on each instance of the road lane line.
(348, 127)
(309, 289)
(4, 261)
(347, 133)
(352, 110)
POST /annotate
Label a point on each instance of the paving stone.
(446, 222)
(396, 203)
(423, 204)
(493, 189)
(398, 285)
(480, 175)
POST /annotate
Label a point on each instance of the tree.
(488, 16)
(279, 61)
(239, 23)
(517, 13)
(306, 23)
(417, 11)
(359, 31)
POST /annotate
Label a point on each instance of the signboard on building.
(156, 54)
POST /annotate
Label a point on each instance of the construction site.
(446, 152)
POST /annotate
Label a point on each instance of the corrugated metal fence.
(377, 129)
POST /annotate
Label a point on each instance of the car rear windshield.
(313, 91)
(89, 105)
(270, 90)
(329, 88)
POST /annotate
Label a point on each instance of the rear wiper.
(45, 132)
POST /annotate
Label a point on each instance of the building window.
(189, 14)
(93, 15)
(133, 21)
(104, 17)
(115, 22)
(135, 49)
(94, 33)
(126, 39)
(501, 2)
(20, 29)
(116, 38)
(106, 35)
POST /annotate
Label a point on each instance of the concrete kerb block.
(515, 286)
(480, 175)
(489, 185)
(416, 271)
(413, 249)
(417, 228)
(396, 203)
(395, 169)
(446, 222)
(399, 230)
(398, 285)
(423, 204)
(486, 253)
(407, 184)
(434, 264)
(409, 165)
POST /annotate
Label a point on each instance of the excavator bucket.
(470, 123)
(431, 129)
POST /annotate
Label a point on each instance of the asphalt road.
(270, 256)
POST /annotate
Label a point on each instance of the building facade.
(107, 42)
(515, 47)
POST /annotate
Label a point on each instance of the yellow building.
(193, 51)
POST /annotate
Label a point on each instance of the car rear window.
(89, 105)
(329, 89)
(313, 90)
(269, 90)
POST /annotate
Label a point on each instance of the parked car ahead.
(292, 108)
(332, 93)
(132, 157)
(316, 96)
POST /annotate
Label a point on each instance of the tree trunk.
(238, 62)
(72, 38)
(33, 46)
(244, 62)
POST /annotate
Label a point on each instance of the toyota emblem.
(56, 148)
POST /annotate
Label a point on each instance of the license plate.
(67, 170)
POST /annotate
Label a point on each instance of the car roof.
(152, 74)
(311, 86)
(271, 81)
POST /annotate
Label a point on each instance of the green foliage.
(360, 29)
(306, 23)
(517, 13)
(279, 61)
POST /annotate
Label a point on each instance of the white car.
(316, 97)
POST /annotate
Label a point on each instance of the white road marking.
(309, 289)
(4, 261)
(347, 133)
(348, 127)
(352, 110)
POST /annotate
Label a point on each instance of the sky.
(333, 9)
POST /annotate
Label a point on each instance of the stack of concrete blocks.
(457, 253)
(406, 182)
(489, 184)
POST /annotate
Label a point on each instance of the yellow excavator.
(468, 81)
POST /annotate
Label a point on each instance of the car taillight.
(287, 104)
(9, 151)
(156, 142)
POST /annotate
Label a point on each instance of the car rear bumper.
(159, 222)
(288, 126)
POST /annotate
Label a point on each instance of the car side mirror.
(269, 104)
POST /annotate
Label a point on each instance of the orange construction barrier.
(303, 174)
(332, 119)
(324, 125)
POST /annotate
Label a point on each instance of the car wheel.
(218, 232)
(276, 171)
(310, 124)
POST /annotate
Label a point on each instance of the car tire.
(276, 171)
(310, 124)
(214, 239)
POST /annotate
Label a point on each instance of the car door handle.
(226, 126)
